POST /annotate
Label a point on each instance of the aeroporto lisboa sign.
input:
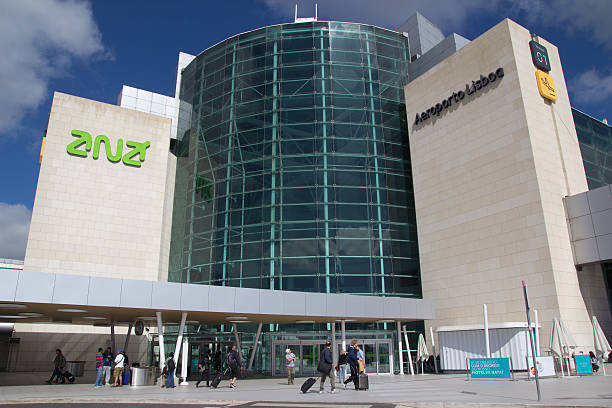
(133, 157)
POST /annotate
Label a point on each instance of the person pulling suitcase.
(325, 367)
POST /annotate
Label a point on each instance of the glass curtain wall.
(595, 138)
(293, 167)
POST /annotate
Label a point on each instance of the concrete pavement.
(407, 391)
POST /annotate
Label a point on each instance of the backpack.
(230, 359)
(171, 365)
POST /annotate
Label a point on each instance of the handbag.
(361, 365)
(324, 367)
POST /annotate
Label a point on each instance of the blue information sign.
(583, 364)
(490, 368)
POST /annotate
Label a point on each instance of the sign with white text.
(490, 368)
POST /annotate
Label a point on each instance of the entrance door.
(377, 356)
(311, 354)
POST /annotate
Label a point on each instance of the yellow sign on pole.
(546, 85)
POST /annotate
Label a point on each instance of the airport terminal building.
(312, 177)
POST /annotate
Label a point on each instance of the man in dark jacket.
(353, 364)
(326, 365)
(234, 362)
(59, 365)
(204, 367)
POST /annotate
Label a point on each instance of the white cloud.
(589, 17)
(14, 229)
(592, 86)
(38, 41)
(448, 14)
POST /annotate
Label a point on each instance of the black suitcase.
(308, 384)
(216, 379)
(362, 382)
(68, 376)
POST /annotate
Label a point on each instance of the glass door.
(384, 362)
(280, 360)
(310, 358)
(371, 360)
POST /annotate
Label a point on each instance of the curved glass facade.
(293, 165)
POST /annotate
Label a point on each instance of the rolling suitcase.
(362, 382)
(218, 377)
(308, 384)
(69, 377)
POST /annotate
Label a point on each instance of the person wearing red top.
(99, 368)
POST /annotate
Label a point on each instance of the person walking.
(325, 367)
(204, 367)
(360, 359)
(59, 365)
(290, 357)
(234, 362)
(171, 368)
(99, 368)
(594, 362)
(107, 361)
(217, 361)
(342, 366)
(353, 364)
(118, 371)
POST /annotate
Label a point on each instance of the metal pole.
(486, 330)
(535, 367)
(127, 338)
(408, 349)
(399, 347)
(433, 348)
(343, 333)
(112, 327)
(333, 340)
(160, 338)
(537, 331)
(254, 347)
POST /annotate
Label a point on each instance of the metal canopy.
(27, 296)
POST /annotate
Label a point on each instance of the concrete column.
(179, 339)
(343, 333)
(237, 339)
(160, 337)
(252, 358)
(399, 347)
(408, 349)
(184, 361)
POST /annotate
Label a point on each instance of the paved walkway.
(390, 391)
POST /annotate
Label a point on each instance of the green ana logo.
(84, 138)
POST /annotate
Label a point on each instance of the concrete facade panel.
(167, 295)
(222, 299)
(600, 199)
(35, 286)
(104, 292)
(194, 297)
(9, 285)
(136, 293)
(71, 289)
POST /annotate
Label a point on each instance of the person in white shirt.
(119, 360)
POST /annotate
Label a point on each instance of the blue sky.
(90, 49)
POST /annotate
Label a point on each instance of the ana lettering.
(137, 148)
